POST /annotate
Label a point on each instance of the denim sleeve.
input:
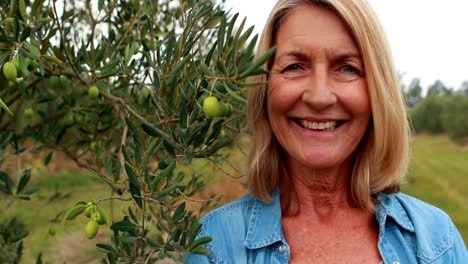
(460, 253)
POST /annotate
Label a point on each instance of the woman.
(331, 145)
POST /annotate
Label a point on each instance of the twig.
(223, 170)
(122, 141)
(62, 38)
(157, 201)
(149, 256)
(197, 200)
(113, 198)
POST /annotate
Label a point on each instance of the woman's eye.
(292, 67)
(349, 69)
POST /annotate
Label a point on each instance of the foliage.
(119, 87)
(439, 164)
(442, 114)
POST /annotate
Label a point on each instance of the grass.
(57, 194)
(438, 175)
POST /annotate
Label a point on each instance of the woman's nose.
(318, 91)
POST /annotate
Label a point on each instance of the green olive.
(28, 113)
(211, 107)
(9, 70)
(89, 211)
(54, 81)
(91, 229)
(93, 91)
(63, 81)
(69, 119)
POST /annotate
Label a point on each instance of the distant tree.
(428, 114)
(438, 88)
(413, 94)
(464, 88)
(455, 117)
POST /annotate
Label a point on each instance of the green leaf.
(201, 251)
(43, 20)
(154, 243)
(105, 248)
(16, 28)
(216, 129)
(136, 194)
(132, 176)
(156, 80)
(124, 226)
(8, 183)
(163, 193)
(23, 197)
(80, 203)
(37, 4)
(24, 179)
(33, 49)
(199, 242)
(39, 259)
(179, 212)
(213, 21)
(169, 148)
(22, 9)
(4, 106)
(23, 63)
(153, 131)
(48, 158)
(169, 170)
(100, 4)
(135, 131)
(234, 94)
(31, 191)
(244, 37)
(19, 249)
(25, 33)
(221, 35)
(132, 215)
(75, 211)
(258, 63)
(4, 56)
(128, 239)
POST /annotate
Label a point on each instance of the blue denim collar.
(265, 228)
(390, 206)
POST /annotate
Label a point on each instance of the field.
(438, 174)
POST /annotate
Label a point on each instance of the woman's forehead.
(308, 28)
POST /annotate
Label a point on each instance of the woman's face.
(318, 103)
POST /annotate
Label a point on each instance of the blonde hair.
(381, 159)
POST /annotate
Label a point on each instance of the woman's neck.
(317, 191)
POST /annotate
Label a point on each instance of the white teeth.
(318, 125)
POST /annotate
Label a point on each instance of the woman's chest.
(329, 244)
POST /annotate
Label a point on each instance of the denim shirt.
(248, 230)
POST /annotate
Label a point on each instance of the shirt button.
(283, 248)
(396, 262)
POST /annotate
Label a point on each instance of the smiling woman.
(331, 145)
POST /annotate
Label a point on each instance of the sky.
(428, 38)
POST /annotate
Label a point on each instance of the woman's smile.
(318, 104)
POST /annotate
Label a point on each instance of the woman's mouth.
(319, 125)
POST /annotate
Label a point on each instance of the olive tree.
(129, 90)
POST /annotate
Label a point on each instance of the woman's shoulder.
(431, 231)
(240, 207)
(227, 226)
(412, 209)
